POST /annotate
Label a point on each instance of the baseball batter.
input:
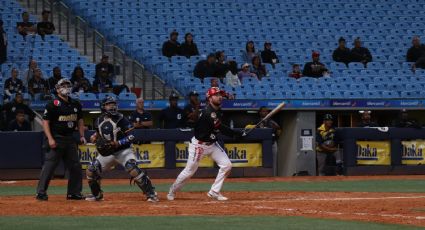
(205, 143)
(113, 143)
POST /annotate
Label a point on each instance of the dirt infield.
(396, 208)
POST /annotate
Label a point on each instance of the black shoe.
(41, 197)
(75, 197)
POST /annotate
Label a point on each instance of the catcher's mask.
(112, 106)
(64, 87)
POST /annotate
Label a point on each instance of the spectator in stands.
(45, 27)
(105, 65)
(315, 68)
(171, 47)
(15, 105)
(214, 82)
(141, 118)
(29, 73)
(416, 51)
(2, 119)
(19, 123)
(188, 47)
(25, 27)
(249, 52)
(172, 117)
(53, 80)
(258, 68)
(420, 63)
(103, 84)
(80, 84)
(221, 65)
(359, 53)
(366, 120)
(296, 71)
(232, 75)
(3, 44)
(326, 148)
(192, 109)
(13, 85)
(245, 73)
(37, 85)
(268, 55)
(342, 53)
(404, 121)
(206, 68)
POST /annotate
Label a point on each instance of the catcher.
(113, 143)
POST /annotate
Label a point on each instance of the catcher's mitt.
(104, 147)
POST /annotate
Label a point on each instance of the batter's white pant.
(120, 157)
(196, 153)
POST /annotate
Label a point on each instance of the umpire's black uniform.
(63, 117)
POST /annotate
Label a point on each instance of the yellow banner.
(147, 155)
(182, 153)
(245, 155)
(373, 153)
(412, 153)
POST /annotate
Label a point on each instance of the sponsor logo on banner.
(147, 155)
(412, 153)
(182, 153)
(245, 155)
(373, 153)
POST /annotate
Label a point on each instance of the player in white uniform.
(205, 143)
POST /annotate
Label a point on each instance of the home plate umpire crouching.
(60, 119)
(113, 142)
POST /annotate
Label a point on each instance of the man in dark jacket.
(188, 47)
(315, 68)
(171, 47)
(416, 51)
(359, 53)
(342, 53)
(268, 55)
(17, 104)
(206, 68)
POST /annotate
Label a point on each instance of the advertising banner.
(412, 152)
(373, 153)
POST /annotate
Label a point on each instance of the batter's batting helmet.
(213, 91)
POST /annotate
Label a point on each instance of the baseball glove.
(104, 147)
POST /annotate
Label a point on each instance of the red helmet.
(213, 91)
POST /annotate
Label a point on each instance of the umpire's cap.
(328, 117)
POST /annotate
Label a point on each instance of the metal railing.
(131, 70)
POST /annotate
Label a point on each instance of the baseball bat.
(273, 112)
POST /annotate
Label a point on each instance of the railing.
(131, 70)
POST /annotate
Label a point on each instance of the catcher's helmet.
(109, 100)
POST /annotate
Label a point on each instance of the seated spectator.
(232, 75)
(359, 53)
(188, 47)
(315, 68)
(141, 118)
(105, 65)
(366, 119)
(342, 53)
(19, 123)
(37, 85)
(172, 117)
(221, 65)
(171, 47)
(245, 73)
(416, 51)
(3, 44)
(53, 80)
(80, 84)
(296, 71)
(258, 68)
(249, 52)
(16, 105)
(420, 63)
(25, 27)
(29, 73)
(404, 121)
(45, 26)
(12, 85)
(103, 84)
(268, 55)
(192, 109)
(205, 68)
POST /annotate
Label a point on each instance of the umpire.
(61, 117)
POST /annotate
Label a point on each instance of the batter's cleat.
(171, 195)
(217, 196)
(92, 197)
(42, 197)
(153, 197)
(75, 197)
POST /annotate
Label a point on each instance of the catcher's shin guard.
(93, 177)
(142, 180)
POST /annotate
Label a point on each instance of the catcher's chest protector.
(109, 129)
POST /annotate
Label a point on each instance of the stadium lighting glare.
(95, 112)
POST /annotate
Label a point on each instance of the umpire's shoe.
(75, 197)
(42, 197)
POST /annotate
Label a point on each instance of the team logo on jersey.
(212, 136)
(75, 110)
(213, 115)
(56, 102)
(70, 124)
(45, 111)
(179, 116)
